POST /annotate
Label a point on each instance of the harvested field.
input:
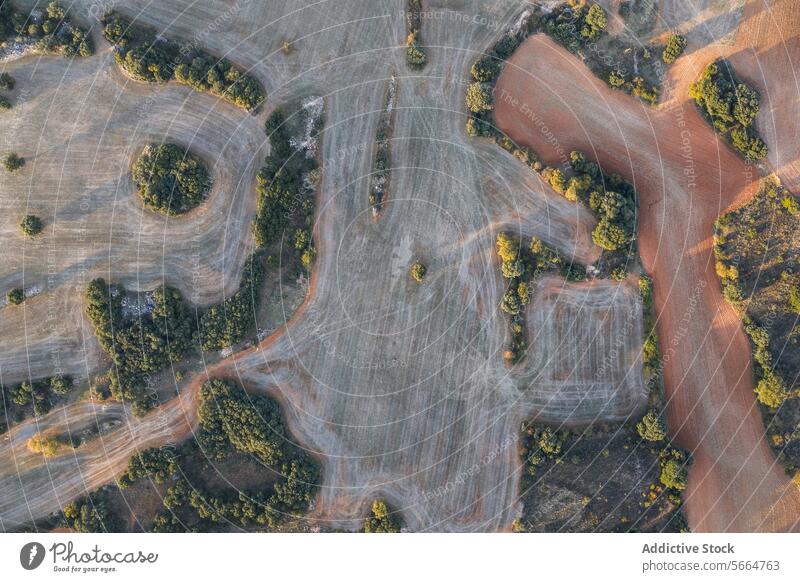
(685, 177)
(585, 362)
(400, 391)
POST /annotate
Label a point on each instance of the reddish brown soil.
(685, 177)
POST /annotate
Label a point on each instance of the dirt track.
(685, 178)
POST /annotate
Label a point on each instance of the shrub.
(170, 179)
(479, 97)
(676, 44)
(15, 297)
(5, 104)
(48, 446)
(31, 225)
(418, 272)
(6, 82)
(381, 520)
(652, 427)
(12, 162)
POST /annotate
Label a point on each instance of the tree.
(31, 225)
(652, 427)
(676, 44)
(418, 272)
(5, 104)
(674, 474)
(12, 162)
(479, 98)
(381, 520)
(15, 296)
(6, 82)
(608, 235)
(61, 385)
(49, 446)
(594, 22)
(485, 69)
(770, 390)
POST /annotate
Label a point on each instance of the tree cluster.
(731, 106)
(283, 198)
(53, 34)
(170, 179)
(676, 44)
(576, 23)
(415, 52)
(37, 397)
(227, 323)
(147, 58)
(138, 345)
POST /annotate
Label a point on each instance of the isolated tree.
(49, 446)
(381, 520)
(31, 225)
(15, 296)
(418, 272)
(479, 97)
(652, 427)
(676, 44)
(13, 162)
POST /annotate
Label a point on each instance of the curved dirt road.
(685, 178)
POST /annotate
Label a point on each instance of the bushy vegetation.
(758, 262)
(52, 34)
(227, 323)
(6, 82)
(32, 398)
(600, 478)
(49, 446)
(676, 44)
(31, 225)
(381, 520)
(731, 107)
(379, 181)
(139, 345)
(15, 296)
(522, 264)
(90, 515)
(158, 464)
(415, 52)
(575, 23)
(13, 162)
(170, 179)
(418, 272)
(146, 58)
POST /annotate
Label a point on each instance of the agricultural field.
(388, 266)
